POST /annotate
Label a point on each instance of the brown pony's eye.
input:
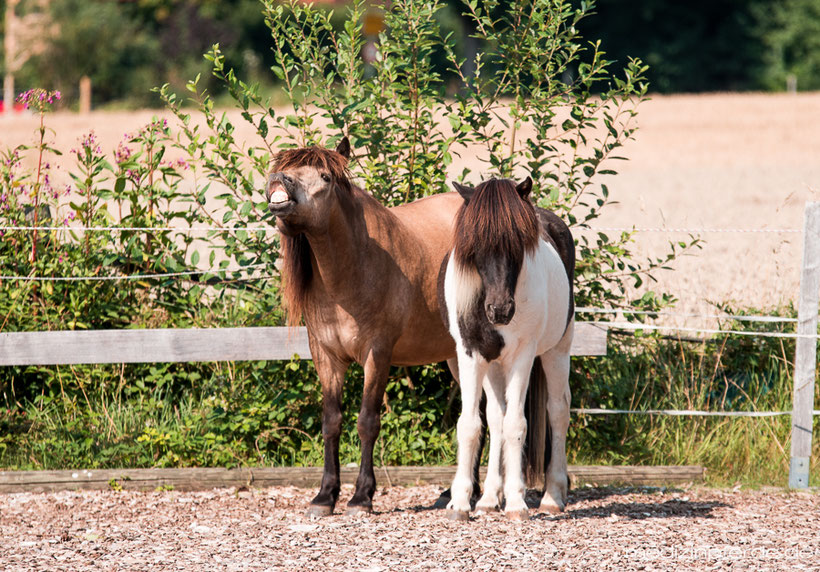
(325, 177)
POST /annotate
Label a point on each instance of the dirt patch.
(265, 529)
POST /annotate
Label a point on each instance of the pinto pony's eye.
(325, 177)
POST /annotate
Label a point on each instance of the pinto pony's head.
(494, 230)
(302, 189)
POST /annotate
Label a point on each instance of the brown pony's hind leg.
(376, 370)
(331, 374)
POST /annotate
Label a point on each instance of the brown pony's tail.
(537, 448)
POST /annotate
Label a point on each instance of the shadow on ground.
(668, 508)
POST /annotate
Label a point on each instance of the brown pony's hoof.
(358, 510)
(518, 515)
(458, 515)
(319, 511)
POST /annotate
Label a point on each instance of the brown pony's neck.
(296, 251)
(324, 259)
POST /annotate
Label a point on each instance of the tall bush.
(540, 102)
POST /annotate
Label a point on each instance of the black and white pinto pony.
(507, 300)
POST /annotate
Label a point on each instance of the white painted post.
(805, 356)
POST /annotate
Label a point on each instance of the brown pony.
(364, 279)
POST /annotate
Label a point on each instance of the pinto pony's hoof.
(458, 515)
(358, 510)
(485, 509)
(518, 515)
(319, 511)
(551, 508)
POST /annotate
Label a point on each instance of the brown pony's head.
(302, 190)
(302, 185)
(495, 228)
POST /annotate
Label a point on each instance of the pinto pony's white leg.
(468, 431)
(496, 404)
(515, 431)
(556, 363)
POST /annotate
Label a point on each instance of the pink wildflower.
(122, 153)
(39, 98)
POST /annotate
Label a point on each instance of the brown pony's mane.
(495, 221)
(297, 271)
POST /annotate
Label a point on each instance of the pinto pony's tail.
(537, 448)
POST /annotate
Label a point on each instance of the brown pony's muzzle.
(279, 194)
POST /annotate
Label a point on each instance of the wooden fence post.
(805, 356)
(85, 95)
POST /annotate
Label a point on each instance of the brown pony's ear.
(343, 148)
(524, 188)
(465, 192)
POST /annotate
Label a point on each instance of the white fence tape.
(688, 230)
(142, 276)
(632, 326)
(272, 229)
(181, 229)
(681, 412)
(582, 310)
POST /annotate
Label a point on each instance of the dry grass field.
(706, 161)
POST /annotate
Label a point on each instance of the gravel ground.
(265, 529)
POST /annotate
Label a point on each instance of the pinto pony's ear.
(465, 192)
(524, 188)
(343, 148)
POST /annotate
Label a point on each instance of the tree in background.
(127, 48)
(791, 35)
(699, 45)
(95, 39)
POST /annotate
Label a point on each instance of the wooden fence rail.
(203, 478)
(191, 345)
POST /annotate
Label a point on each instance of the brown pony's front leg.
(332, 374)
(376, 370)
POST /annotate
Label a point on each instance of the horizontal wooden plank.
(152, 346)
(589, 340)
(207, 478)
(190, 345)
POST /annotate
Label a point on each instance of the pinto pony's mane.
(495, 221)
(297, 272)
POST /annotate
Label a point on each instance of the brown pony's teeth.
(279, 197)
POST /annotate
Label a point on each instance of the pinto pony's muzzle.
(279, 194)
(500, 314)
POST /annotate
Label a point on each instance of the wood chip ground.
(265, 529)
